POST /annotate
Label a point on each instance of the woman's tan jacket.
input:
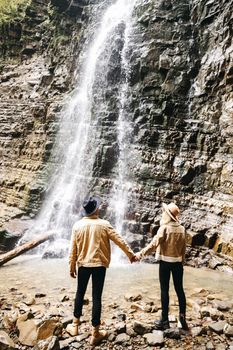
(90, 243)
(169, 243)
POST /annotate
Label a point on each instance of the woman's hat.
(90, 205)
(172, 210)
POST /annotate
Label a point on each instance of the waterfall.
(77, 138)
(122, 184)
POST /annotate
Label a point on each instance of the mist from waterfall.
(78, 134)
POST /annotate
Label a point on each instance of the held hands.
(135, 258)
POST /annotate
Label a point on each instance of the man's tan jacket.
(90, 243)
(169, 243)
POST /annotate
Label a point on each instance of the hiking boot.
(72, 328)
(183, 323)
(162, 325)
(97, 335)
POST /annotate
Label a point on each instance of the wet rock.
(155, 338)
(59, 249)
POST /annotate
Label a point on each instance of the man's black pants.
(165, 270)
(98, 277)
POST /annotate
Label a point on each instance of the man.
(91, 253)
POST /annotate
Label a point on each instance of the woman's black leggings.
(165, 270)
(98, 277)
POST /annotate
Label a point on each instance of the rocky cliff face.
(180, 106)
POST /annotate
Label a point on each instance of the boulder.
(6, 343)
(27, 331)
(48, 328)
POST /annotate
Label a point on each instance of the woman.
(169, 244)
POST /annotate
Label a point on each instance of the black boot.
(183, 322)
(162, 325)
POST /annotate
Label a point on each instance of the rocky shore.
(37, 320)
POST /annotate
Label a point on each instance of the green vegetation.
(10, 9)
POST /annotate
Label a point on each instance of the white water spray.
(78, 128)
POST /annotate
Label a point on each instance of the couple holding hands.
(91, 253)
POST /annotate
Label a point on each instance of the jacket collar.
(94, 216)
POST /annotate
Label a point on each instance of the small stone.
(77, 345)
(65, 298)
(120, 327)
(228, 330)
(83, 336)
(122, 338)
(40, 295)
(66, 321)
(217, 327)
(172, 333)
(29, 301)
(221, 347)
(196, 331)
(111, 337)
(210, 346)
(51, 343)
(66, 342)
(155, 338)
(130, 331)
(222, 305)
(6, 343)
(121, 316)
(141, 328)
(133, 297)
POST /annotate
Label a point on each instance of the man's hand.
(134, 258)
(73, 273)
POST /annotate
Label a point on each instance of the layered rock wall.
(180, 107)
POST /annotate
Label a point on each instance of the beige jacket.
(169, 243)
(90, 243)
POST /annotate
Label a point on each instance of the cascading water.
(79, 131)
(122, 184)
